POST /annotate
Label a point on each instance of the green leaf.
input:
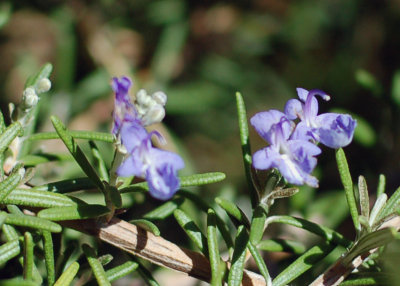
(32, 222)
(238, 258)
(9, 250)
(302, 264)
(28, 256)
(234, 212)
(213, 250)
(5, 14)
(44, 72)
(121, 270)
(9, 231)
(67, 186)
(10, 183)
(115, 196)
(392, 204)
(362, 281)
(9, 135)
(381, 185)
(364, 198)
(200, 203)
(147, 225)
(68, 275)
(185, 181)
(96, 266)
(281, 245)
(257, 224)
(164, 210)
(3, 216)
(99, 161)
(245, 141)
(18, 282)
(192, 230)
(73, 212)
(33, 198)
(201, 179)
(105, 259)
(370, 241)
(326, 233)
(259, 260)
(378, 209)
(87, 135)
(348, 186)
(49, 257)
(34, 160)
(146, 275)
(76, 152)
(368, 81)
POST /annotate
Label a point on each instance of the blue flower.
(158, 167)
(295, 159)
(331, 129)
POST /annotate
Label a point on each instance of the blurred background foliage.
(200, 53)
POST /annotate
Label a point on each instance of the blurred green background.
(200, 53)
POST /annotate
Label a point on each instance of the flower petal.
(133, 134)
(121, 88)
(335, 130)
(163, 181)
(264, 121)
(131, 166)
(294, 109)
(263, 159)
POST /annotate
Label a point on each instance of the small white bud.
(142, 98)
(29, 97)
(43, 85)
(160, 97)
(155, 114)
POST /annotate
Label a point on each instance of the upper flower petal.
(121, 88)
(264, 121)
(335, 130)
(294, 109)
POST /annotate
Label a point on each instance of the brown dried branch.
(155, 249)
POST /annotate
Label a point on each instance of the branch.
(155, 249)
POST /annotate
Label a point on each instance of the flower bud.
(160, 97)
(29, 98)
(43, 85)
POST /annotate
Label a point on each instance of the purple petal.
(133, 134)
(263, 159)
(303, 153)
(302, 93)
(162, 157)
(335, 130)
(163, 182)
(264, 121)
(302, 132)
(131, 166)
(294, 109)
(121, 88)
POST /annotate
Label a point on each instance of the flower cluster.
(158, 167)
(293, 148)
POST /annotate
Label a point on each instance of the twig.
(336, 274)
(155, 249)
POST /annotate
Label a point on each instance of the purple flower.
(293, 158)
(158, 167)
(124, 110)
(331, 129)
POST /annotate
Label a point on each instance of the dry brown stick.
(155, 249)
(336, 274)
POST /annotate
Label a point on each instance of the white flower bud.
(160, 97)
(29, 97)
(43, 85)
(142, 98)
(154, 114)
